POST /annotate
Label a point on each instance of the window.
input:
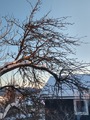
(81, 107)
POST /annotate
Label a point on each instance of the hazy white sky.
(79, 10)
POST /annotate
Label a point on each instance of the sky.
(78, 10)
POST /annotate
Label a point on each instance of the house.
(66, 103)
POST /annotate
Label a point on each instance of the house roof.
(50, 90)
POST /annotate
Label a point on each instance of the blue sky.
(79, 10)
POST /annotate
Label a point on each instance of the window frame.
(86, 107)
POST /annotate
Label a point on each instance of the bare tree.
(39, 46)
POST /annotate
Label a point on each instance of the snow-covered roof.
(50, 90)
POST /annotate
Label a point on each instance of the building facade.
(66, 104)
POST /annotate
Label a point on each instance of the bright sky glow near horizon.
(79, 10)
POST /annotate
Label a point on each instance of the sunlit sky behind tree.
(78, 10)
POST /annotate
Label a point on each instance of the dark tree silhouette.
(39, 46)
